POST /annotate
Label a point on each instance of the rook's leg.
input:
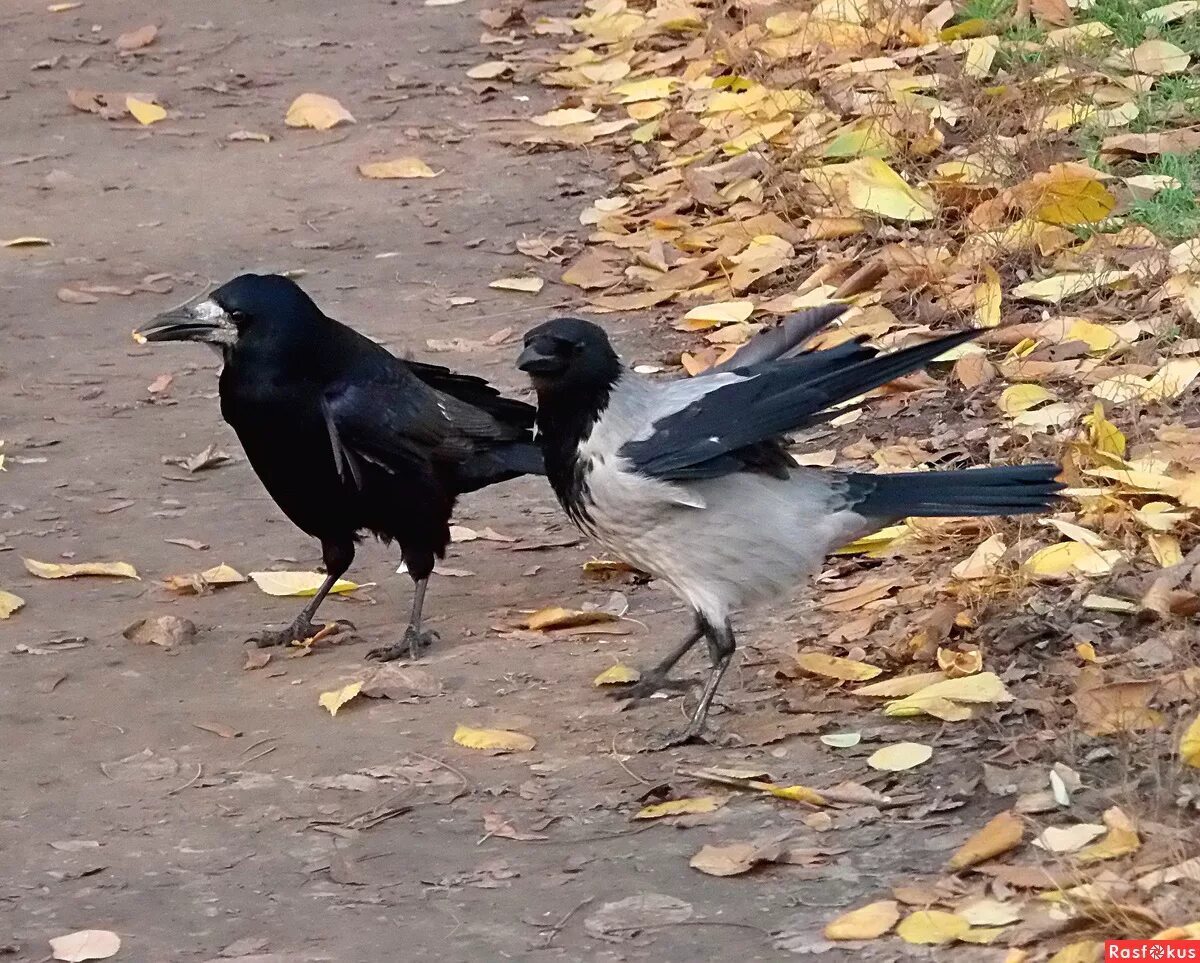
(338, 556)
(415, 638)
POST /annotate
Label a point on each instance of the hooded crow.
(690, 480)
(346, 437)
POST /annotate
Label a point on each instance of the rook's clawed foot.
(299, 631)
(410, 646)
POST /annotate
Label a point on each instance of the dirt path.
(367, 837)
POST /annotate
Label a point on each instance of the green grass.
(1172, 214)
(1173, 101)
(1124, 18)
(985, 10)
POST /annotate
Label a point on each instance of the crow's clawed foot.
(410, 646)
(693, 735)
(647, 686)
(300, 631)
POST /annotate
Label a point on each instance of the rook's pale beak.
(199, 321)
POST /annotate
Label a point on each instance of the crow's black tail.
(500, 463)
(1010, 490)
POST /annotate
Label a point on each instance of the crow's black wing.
(474, 391)
(705, 439)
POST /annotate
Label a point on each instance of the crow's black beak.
(202, 321)
(535, 360)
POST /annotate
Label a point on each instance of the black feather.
(1006, 490)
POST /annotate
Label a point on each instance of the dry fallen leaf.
(401, 167)
(1067, 839)
(496, 740)
(85, 945)
(733, 859)
(865, 923)
(336, 698)
(299, 584)
(529, 285)
(9, 603)
(932, 928)
(1121, 840)
(681, 807)
(901, 756)
(554, 617)
(833, 667)
(27, 242)
(318, 112)
(75, 569)
(1189, 744)
(166, 631)
(619, 674)
(564, 117)
(136, 39)
(1002, 833)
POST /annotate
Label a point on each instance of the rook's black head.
(265, 304)
(569, 354)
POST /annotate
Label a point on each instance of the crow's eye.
(238, 317)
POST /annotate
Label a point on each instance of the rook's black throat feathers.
(566, 417)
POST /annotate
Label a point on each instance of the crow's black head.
(569, 354)
(262, 304)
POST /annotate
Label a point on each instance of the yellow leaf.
(1080, 35)
(934, 706)
(681, 807)
(27, 242)
(1017, 398)
(1189, 745)
(901, 756)
(983, 562)
(653, 89)
(1068, 558)
(318, 112)
(73, 569)
(556, 617)
(9, 604)
(988, 297)
(1158, 57)
(530, 285)
(63, 7)
(1172, 379)
(496, 740)
(980, 54)
(298, 584)
(899, 688)
(1168, 13)
(848, 670)
(564, 117)
(337, 698)
(1068, 115)
(870, 543)
(618, 674)
(405, 167)
(1159, 516)
(794, 793)
(865, 923)
(1089, 951)
(1059, 287)
(1122, 839)
(874, 187)
(1002, 833)
(1068, 199)
(144, 112)
(990, 912)
(932, 928)
(1097, 337)
(1190, 931)
(1165, 549)
(1078, 533)
(712, 315)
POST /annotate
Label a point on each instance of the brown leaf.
(1002, 833)
(494, 824)
(1054, 12)
(69, 296)
(1118, 707)
(1181, 141)
(733, 859)
(256, 659)
(136, 39)
(167, 631)
(219, 729)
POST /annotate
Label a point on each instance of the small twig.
(199, 772)
(269, 749)
(255, 745)
(600, 837)
(445, 765)
(324, 143)
(741, 926)
(558, 927)
(865, 278)
(632, 774)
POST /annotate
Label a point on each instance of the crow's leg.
(721, 646)
(337, 556)
(656, 679)
(415, 638)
